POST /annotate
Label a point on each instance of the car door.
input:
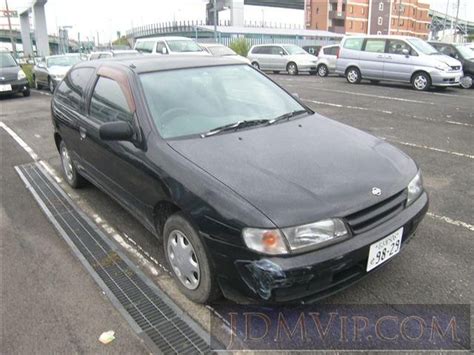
(41, 73)
(279, 58)
(372, 58)
(114, 165)
(331, 54)
(264, 57)
(398, 65)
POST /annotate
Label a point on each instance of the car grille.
(455, 67)
(374, 215)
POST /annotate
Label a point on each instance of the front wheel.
(292, 69)
(466, 82)
(353, 75)
(73, 178)
(190, 263)
(421, 81)
(27, 92)
(51, 85)
(323, 70)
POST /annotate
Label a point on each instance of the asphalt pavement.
(436, 128)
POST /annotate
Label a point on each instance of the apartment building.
(396, 17)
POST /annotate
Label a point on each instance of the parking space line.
(414, 145)
(452, 221)
(20, 141)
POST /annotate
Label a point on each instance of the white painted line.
(463, 155)
(452, 221)
(380, 97)
(461, 123)
(20, 141)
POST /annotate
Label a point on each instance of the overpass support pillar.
(25, 33)
(41, 32)
(237, 13)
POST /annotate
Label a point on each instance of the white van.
(169, 45)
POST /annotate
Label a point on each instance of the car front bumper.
(307, 67)
(442, 78)
(16, 86)
(308, 277)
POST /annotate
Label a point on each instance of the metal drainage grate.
(163, 326)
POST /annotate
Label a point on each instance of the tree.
(241, 46)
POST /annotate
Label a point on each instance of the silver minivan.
(282, 57)
(396, 58)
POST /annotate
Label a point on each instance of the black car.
(12, 78)
(252, 193)
(462, 53)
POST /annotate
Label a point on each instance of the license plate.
(6, 87)
(384, 249)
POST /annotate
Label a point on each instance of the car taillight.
(337, 53)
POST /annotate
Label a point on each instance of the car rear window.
(354, 43)
(145, 46)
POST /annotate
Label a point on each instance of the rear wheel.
(73, 178)
(323, 70)
(353, 75)
(421, 81)
(51, 85)
(292, 68)
(189, 261)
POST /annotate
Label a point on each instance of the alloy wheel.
(183, 259)
(466, 82)
(420, 82)
(352, 76)
(322, 70)
(292, 69)
(51, 85)
(67, 163)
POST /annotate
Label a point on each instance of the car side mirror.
(116, 131)
(164, 50)
(405, 52)
(282, 53)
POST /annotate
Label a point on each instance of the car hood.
(58, 70)
(446, 59)
(9, 73)
(303, 170)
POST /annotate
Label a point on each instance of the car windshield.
(294, 49)
(182, 45)
(187, 102)
(63, 61)
(7, 61)
(221, 51)
(465, 52)
(422, 46)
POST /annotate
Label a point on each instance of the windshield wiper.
(287, 116)
(234, 126)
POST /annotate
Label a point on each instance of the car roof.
(63, 55)
(152, 63)
(163, 38)
(208, 45)
(380, 36)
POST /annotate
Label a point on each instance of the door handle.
(82, 133)
(380, 56)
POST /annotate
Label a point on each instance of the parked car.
(464, 55)
(50, 71)
(169, 45)
(12, 78)
(113, 53)
(396, 58)
(282, 57)
(314, 50)
(327, 60)
(251, 192)
(219, 50)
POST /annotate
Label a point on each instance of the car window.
(331, 50)
(108, 102)
(145, 46)
(276, 50)
(160, 46)
(105, 55)
(375, 45)
(7, 60)
(182, 45)
(396, 46)
(446, 49)
(94, 56)
(265, 50)
(354, 43)
(193, 101)
(72, 88)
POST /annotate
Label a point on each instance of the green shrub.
(241, 46)
(28, 69)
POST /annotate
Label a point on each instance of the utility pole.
(445, 19)
(456, 23)
(12, 40)
(215, 20)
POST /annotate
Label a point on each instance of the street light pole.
(12, 40)
(215, 20)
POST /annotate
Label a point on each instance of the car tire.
(323, 70)
(421, 81)
(179, 236)
(51, 85)
(27, 92)
(73, 178)
(353, 75)
(276, 72)
(292, 68)
(256, 65)
(37, 85)
(467, 82)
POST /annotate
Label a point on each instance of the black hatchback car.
(252, 193)
(12, 78)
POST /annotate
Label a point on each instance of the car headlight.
(308, 236)
(443, 66)
(21, 75)
(415, 188)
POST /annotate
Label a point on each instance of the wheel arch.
(420, 71)
(57, 140)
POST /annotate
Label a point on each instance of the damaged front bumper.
(308, 277)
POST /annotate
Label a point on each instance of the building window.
(380, 6)
(402, 22)
(380, 20)
(379, 32)
(317, 10)
(350, 25)
(363, 11)
(351, 9)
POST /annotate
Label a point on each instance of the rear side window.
(72, 88)
(375, 45)
(262, 50)
(108, 102)
(145, 46)
(354, 43)
(331, 50)
(276, 50)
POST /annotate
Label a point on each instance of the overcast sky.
(106, 17)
